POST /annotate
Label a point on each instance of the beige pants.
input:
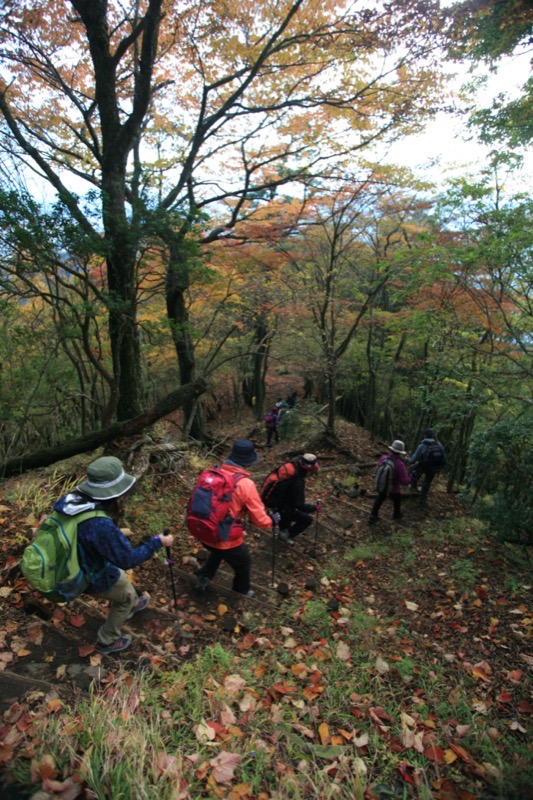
(123, 598)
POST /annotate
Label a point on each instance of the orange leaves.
(482, 671)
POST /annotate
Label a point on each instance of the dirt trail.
(48, 649)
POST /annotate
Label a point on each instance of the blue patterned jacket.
(102, 547)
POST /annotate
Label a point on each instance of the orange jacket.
(245, 501)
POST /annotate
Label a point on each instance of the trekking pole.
(273, 550)
(166, 532)
(318, 507)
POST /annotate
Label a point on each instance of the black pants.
(380, 499)
(238, 558)
(294, 521)
(272, 432)
(428, 473)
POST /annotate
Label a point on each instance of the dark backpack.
(208, 517)
(275, 485)
(271, 420)
(51, 563)
(384, 476)
(434, 456)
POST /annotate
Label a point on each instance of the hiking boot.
(202, 583)
(285, 538)
(142, 603)
(115, 647)
(250, 593)
(372, 519)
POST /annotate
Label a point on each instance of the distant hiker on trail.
(228, 544)
(390, 476)
(284, 491)
(272, 425)
(104, 551)
(427, 461)
(291, 398)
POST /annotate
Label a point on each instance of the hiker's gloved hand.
(275, 517)
(166, 539)
(318, 505)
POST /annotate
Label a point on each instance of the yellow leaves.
(324, 734)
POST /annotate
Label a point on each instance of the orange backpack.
(275, 485)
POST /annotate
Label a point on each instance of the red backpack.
(276, 484)
(208, 516)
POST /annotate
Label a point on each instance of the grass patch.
(328, 704)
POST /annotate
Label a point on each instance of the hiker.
(427, 461)
(291, 398)
(272, 425)
(293, 510)
(245, 501)
(400, 478)
(104, 551)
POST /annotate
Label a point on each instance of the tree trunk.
(84, 444)
(387, 405)
(177, 283)
(262, 338)
(331, 389)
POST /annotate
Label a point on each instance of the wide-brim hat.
(106, 479)
(309, 462)
(243, 453)
(398, 447)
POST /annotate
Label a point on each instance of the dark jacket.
(420, 452)
(102, 547)
(294, 498)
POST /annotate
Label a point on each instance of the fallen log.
(95, 439)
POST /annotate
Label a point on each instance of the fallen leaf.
(204, 732)
(343, 651)
(504, 697)
(85, 650)
(323, 732)
(77, 620)
(411, 606)
(525, 707)
(224, 766)
(435, 753)
(462, 753)
(381, 666)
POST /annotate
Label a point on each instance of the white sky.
(444, 150)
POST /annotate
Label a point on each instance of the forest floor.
(432, 596)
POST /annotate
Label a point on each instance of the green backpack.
(51, 563)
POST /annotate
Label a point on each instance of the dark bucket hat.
(243, 453)
(106, 479)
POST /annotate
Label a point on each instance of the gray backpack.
(384, 476)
